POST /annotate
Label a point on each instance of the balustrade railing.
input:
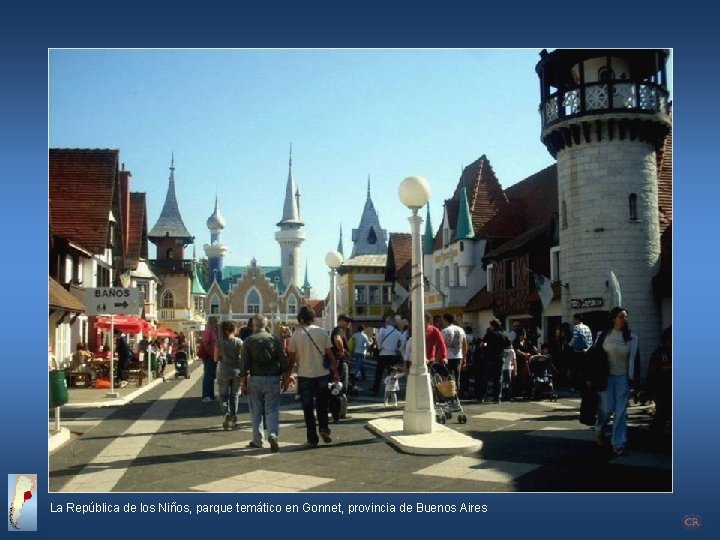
(594, 98)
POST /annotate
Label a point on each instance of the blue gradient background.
(23, 102)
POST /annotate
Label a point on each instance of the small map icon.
(22, 502)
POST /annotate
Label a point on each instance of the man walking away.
(309, 346)
(263, 364)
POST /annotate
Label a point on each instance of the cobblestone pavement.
(167, 440)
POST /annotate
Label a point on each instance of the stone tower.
(604, 114)
(290, 236)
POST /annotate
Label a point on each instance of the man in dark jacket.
(263, 364)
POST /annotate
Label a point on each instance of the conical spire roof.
(340, 244)
(170, 222)
(291, 213)
(429, 234)
(306, 284)
(464, 230)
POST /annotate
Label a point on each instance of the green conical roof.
(464, 228)
(429, 239)
(197, 287)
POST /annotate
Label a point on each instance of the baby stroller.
(445, 392)
(541, 378)
(181, 365)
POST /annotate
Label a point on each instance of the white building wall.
(595, 181)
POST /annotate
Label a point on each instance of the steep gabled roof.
(489, 207)
(399, 259)
(82, 184)
(534, 200)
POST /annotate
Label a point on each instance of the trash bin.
(58, 388)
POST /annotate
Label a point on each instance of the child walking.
(509, 370)
(392, 385)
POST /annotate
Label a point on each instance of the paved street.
(167, 440)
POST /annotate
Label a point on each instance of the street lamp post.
(333, 259)
(419, 414)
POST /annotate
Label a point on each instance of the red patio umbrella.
(162, 331)
(131, 324)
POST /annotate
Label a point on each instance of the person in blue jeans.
(207, 346)
(263, 364)
(620, 361)
(309, 346)
(228, 351)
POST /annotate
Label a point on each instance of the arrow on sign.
(123, 305)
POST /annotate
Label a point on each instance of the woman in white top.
(620, 358)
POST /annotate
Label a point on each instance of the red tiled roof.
(534, 200)
(81, 184)
(400, 254)
(137, 237)
(489, 207)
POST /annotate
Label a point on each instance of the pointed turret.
(290, 236)
(306, 288)
(340, 244)
(369, 238)
(169, 234)
(464, 229)
(291, 213)
(429, 238)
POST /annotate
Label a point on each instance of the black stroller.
(445, 391)
(181, 364)
(541, 378)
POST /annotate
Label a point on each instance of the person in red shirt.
(435, 348)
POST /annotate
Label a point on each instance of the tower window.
(168, 300)
(372, 237)
(563, 215)
(632, 201)
(291, 259)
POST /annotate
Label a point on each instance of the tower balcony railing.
(172, 266)
(594, 98)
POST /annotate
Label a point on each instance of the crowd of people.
(325, 368)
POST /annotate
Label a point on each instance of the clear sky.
(229, 117)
